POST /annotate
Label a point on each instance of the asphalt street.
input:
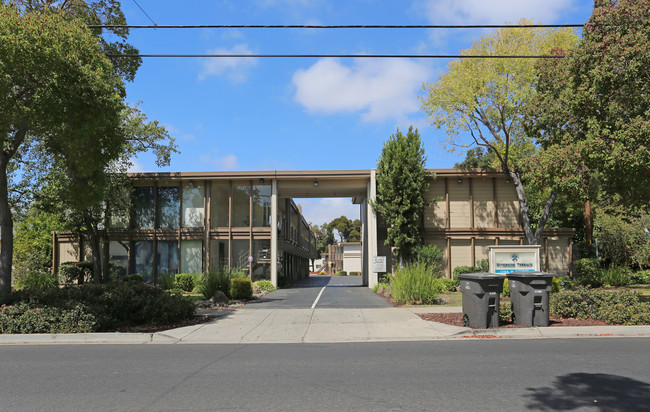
(578, 375)
(339, 292)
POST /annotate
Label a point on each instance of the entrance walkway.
(337, 292)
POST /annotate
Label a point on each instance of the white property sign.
(508, 259)
(379, 264)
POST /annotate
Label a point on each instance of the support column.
(363, 213)
(274, 232)
(373, 278)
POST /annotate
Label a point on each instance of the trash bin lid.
(480, 276)
(532, 274)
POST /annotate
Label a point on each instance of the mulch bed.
(456, 319)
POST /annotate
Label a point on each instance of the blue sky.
(304, 114)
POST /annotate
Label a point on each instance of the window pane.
(262, 205)
(191, 256)
(143, 207)
(192, 205)
(144, 259)
(240, 252)
(218, 254)
(219, 203)
(167, 256)
(118, 253)
(168, 207)
(241, 205)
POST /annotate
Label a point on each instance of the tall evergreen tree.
(401, 189)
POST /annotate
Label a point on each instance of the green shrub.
(612, 306)
(265, 285)
(616, 276)
(642, 277)
(37, 280)
(621, 238)
(506, 287)
(113, 305)
(505, 311)
(341, 273)
(219, 280)
(588, 272)
(448, 285)
(134, 278)
(483, 266)
(71, 272)
(559, 283)
(27, 318)
(184, 281)
(355, 273)
(241, 288)
(431, 256)
(167, 280)
(415, 284)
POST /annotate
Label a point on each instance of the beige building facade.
(197, 222)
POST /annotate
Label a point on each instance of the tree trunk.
(93, 238)
(6, 232)
(589, 228)
(533, 238)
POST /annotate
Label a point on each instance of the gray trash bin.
(481, 299)
(529, 293)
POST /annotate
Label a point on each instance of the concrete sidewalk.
(323, 325)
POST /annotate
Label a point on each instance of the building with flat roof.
(196, 222)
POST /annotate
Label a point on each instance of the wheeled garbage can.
(481, 299)
(529, 295)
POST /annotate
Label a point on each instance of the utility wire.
(374, 56)
(308, 26)
(145, 13)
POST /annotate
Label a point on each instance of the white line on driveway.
(318, 297)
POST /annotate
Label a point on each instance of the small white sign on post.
(508, 259)
(379, 264)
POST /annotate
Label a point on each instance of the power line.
(145, 13)
(309, 26)
(374, 56)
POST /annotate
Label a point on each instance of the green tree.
(476, 158)
(484, 99)
(355, 233)
(592, 113)
(401, 188)
(60, 97)
(324, 237)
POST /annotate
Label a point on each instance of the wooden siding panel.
(434, 213)
(67, 252)
(459, 208)
(558, 256)
(483, 203)
(461, 253)
(508, 204)
(481, 249)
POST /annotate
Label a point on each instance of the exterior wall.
(352, 257)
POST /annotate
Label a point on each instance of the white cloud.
(234, 68)
(318, 211)
(492, 11)
(135, 167)
(378, 88)
(228, 162)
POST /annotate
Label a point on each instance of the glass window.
(240, 250)
(262, 205)
(167, 256)
(219, 203)
(262, 259)
(192, 205)
(168, 207)
(191, 256)
(218, 254)
(241, 205)
(143, 207)
(118, 253)
(143, 251)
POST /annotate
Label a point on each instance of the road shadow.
(600, 391)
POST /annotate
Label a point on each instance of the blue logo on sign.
(515, 257)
